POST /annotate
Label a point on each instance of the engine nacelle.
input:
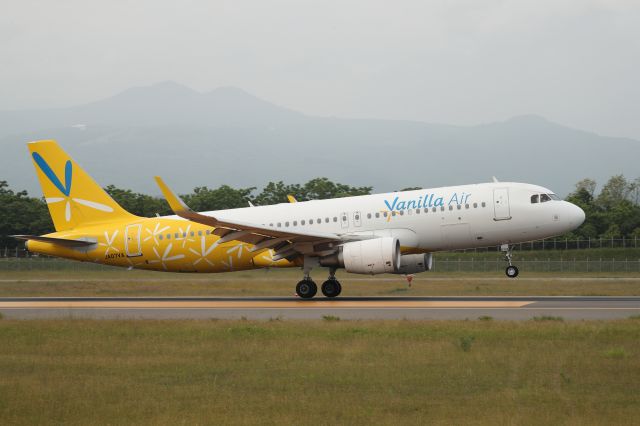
(415, 263)
(375, 256)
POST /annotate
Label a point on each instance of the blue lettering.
(391, 206)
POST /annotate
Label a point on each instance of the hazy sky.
(576, 62)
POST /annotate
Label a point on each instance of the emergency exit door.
(132, 240)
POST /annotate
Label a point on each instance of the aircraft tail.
(73, 197)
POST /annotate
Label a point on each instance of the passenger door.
(501, 209)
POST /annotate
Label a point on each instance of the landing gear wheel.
(512, 271)
(306, 289)
(331, 288)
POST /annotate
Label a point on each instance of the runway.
(353, 308)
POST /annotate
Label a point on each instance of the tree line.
(612, 213)
(22, 214)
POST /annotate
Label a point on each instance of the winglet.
(291, 198)
(180, 208)
(175, 202)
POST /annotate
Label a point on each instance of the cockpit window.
(534, 199)
(554, 197)
(544, 198)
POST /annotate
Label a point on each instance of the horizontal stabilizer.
(58, 241)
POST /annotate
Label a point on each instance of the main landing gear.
(511, 271)
(306, 288)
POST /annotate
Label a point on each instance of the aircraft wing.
(285, 243)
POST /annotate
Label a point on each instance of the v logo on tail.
(77, 199)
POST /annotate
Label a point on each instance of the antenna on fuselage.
(495, 179)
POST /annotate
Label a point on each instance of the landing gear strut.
(511, 271)
(331, 287)
(307, 288)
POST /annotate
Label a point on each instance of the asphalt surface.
(262, 308)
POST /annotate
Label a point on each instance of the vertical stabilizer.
(73, 197)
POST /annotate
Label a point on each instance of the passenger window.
(326, 220)
(459, 206)
(160, 237)
(168, 236)
(286, 224)
(208, 232)
(484, 204)
(384, 214)
(466, 206)
(176, 235)
(393, 213)
(450, 207)
(295, 223)
(377, 215)
(441, 208)
(279, 224)
(310, 221)
(319, 221)
(417, 211)
(184, 235)
(192, 234)
(368, 215)
(434, 209)
(544, 198)
(335, 218)
(475, 205)
(401, 212)
(199, 233)
(534, 199)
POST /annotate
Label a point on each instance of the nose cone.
(575, 215)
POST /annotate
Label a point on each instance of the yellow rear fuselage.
(161, 244)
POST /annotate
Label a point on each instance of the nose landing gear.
(511, 270)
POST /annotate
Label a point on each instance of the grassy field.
(319, 372)
(118, 282)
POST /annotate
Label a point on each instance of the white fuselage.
(434, 219)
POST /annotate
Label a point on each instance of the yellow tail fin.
(73, 197)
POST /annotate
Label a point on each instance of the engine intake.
(375, 256)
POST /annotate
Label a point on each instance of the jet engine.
(375, 256)
(415, 263)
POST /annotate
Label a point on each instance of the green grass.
(81, 372)
(118, 282)
(548, 318)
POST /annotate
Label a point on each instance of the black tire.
(331, 288)
(512, 271)
(306, 289)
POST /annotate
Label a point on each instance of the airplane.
(395, 233)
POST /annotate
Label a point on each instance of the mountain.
(229, 136)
